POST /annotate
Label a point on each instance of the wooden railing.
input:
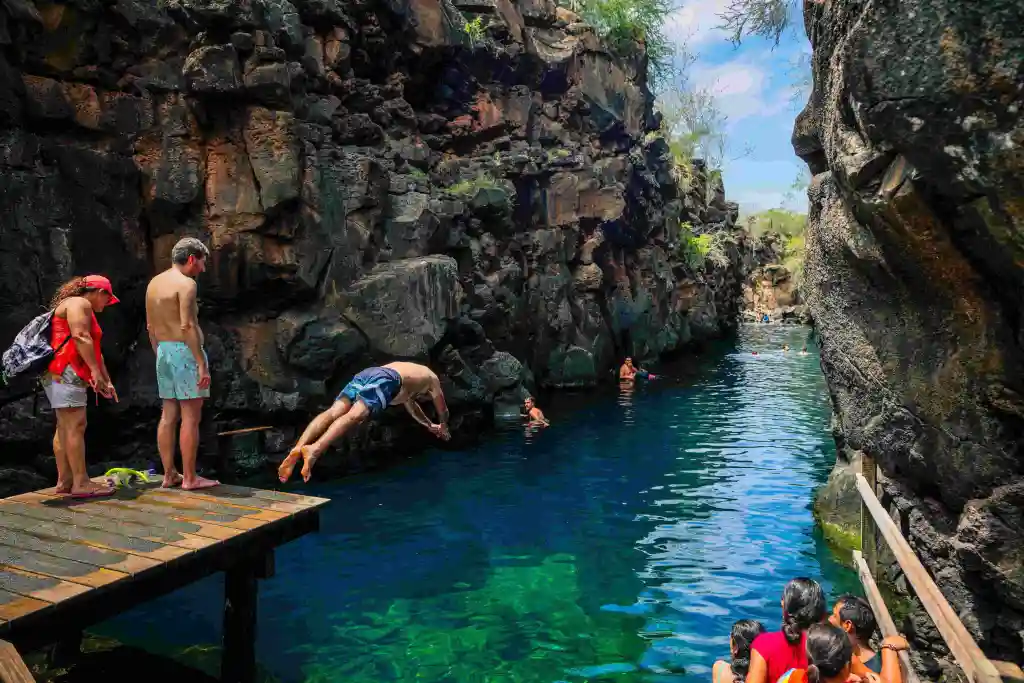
(876, 521)
(12, 667)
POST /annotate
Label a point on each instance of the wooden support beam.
(885, 623)
(968, 655)
(868, 532)
(12, 667)
(241, 587)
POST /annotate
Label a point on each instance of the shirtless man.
(629, 372)
(369, 393)
(182, 370)
(534, 414)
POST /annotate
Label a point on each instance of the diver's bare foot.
(309, 458)
(198, 483)
(63, 488)
(171, 479)
(284, 471)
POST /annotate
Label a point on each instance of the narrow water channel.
(622, 542)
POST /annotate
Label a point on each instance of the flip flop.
(98, 493)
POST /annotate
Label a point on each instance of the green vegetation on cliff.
(791, 226)
(624, 23)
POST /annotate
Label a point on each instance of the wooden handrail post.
(868, 539)
(12, 667)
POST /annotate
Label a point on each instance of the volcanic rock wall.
(479, 186)
(915, 274)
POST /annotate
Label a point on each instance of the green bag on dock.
(124, 476)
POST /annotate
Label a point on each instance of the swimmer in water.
(785, 348)
(534, 414)
(629, 372)
(803, 351)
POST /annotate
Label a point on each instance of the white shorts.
(66, 391)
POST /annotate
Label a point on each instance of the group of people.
(183, 380)
(182, 368)
(814, 645)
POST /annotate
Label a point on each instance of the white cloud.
(695, 22)
(742, 88)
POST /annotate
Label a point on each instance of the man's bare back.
(164, 298)
(417, 381)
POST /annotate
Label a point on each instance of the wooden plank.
(160, 520)
(111, 521)
(39, 587)
(246, 502)
(882, 616)
(183, 511)
(12, 667)
(97, 557)
(217, 506)
(967, 653)
(223, 491)
(133, 544)
(14, 606)
(868, 533)
(229, 490)
(38, 563)
(1010, 672)
(247, 430)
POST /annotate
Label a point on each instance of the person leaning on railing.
(854, 615)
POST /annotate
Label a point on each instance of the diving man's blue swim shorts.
(376, 387)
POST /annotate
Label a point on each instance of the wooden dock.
(67, 564)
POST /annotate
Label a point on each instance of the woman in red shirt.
(773, 654)
(77, 364)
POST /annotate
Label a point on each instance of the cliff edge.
(914, 275)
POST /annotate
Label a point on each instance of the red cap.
(101, 283)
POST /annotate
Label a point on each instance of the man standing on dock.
(182, 369)
(369, 393)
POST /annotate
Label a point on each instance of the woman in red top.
(773, 654)
(76, 365)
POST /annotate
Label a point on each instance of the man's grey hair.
(188, 246)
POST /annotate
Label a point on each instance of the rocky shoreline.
(913, 273)
(376, 181)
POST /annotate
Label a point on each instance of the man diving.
(369, 393)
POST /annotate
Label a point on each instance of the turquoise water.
(622, 542)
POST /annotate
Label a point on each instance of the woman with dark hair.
(77, 365)
(775, 653)
(742, 637)
(829, 657)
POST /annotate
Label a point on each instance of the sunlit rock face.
(375, 181)
(915, 274)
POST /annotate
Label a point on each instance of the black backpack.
(30, 352)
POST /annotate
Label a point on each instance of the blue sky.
(754, 87)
